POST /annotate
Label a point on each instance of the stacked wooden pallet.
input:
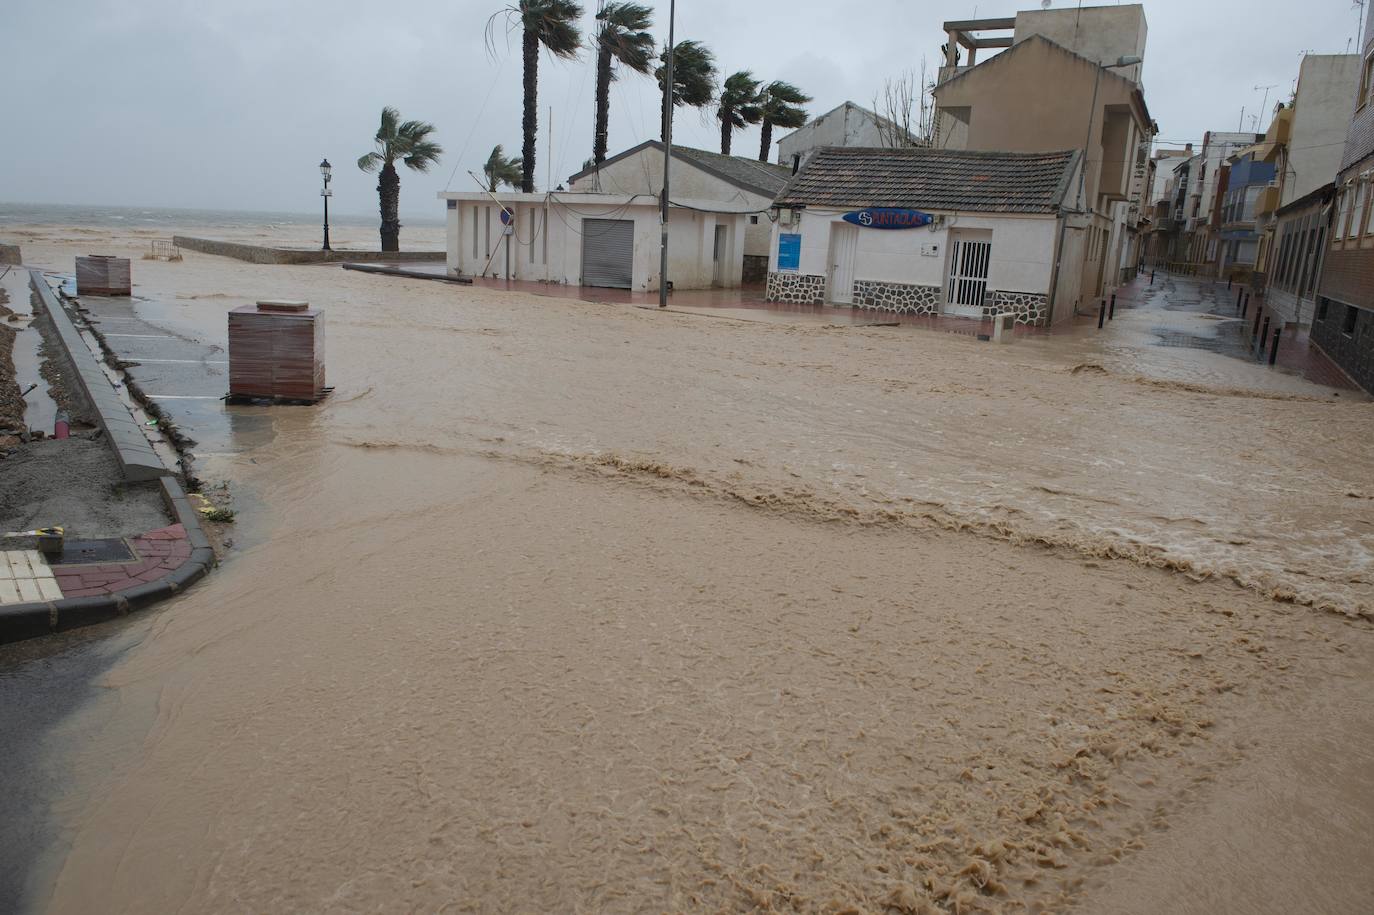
(276, 350)
(103, 274)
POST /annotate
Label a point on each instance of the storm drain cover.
(78, 551)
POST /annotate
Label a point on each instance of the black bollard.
(1111, 312)
(1229, 279)
(1152, 277)
(1264, 335)
(1240, 293)
(1102, 314)
(1274, 349)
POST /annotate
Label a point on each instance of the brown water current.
(565, 607)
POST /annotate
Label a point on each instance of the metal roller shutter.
(608, 249)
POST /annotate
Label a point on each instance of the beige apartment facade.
(1001, 104)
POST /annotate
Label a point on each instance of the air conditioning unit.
(786, 217)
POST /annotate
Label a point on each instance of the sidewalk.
(111, 562)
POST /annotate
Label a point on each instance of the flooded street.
(561, 606)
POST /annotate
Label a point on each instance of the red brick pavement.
(156, 554)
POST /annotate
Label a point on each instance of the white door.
(718, 255)
(969, 258)
(844, 245)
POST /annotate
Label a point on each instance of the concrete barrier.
(135, 455)
(259, 254)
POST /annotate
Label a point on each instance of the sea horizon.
(13, 213)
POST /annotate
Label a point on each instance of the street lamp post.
(326, 193)
(667, 160)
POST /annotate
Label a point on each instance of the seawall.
(258, 254)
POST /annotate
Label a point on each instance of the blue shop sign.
(789, 251)
(888, 218)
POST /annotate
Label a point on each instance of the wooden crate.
(276, 349)
(103, 274)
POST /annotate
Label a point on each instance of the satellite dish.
(1045, 4)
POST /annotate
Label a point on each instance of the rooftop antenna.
(1263, 105)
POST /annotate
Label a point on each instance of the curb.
(27, 621)
(137, 459)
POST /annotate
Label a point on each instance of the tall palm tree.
(623, 36)
(781, 103)
(694, 78)
(553, 24)
(738, 106)
(501, 170)
(409, 142)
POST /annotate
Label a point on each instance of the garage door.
(608, 250)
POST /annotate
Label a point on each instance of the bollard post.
(1102, 314)
(1240, 293)
(1111, 312)
(1264, 335)
(1152, 277)
(1274, 349)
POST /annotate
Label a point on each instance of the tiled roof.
(964, 181)
(750, 174)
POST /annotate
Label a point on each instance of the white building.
(928, 231)
(734, 183)
(1322, 105)
(847, 125)
(609, 240)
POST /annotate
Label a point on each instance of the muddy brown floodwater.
(564, 607)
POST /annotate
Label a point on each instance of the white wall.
(1022, 250)
(642, 173)
(848, 125)
(552, 252)
(1327, 86)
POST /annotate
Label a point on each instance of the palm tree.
(623, 36)
(409, 142)
(694, 78)
(553, 24)
(501, 170)
(781, 103)
(739, 106)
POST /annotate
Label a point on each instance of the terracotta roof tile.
(933, 179)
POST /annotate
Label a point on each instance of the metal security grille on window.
(968, 272)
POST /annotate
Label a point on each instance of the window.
(1357, 215)
(754, 219)
(1352, 314)
(1366, 82)
(1346, 204)
(1322, 305)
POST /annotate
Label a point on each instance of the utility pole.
(667, 160)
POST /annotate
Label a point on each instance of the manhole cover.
(79, 551)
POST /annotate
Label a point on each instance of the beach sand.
(559, 606)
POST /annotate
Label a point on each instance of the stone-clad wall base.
(1029, 307)
(902, 298)
(796, 288)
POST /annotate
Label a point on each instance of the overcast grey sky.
(232, 104)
